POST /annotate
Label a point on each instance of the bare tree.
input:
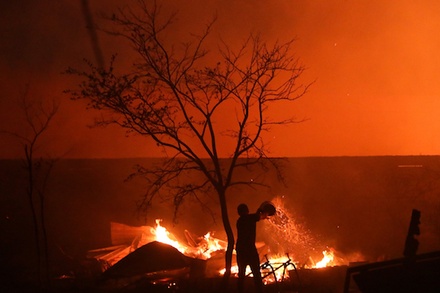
(174, 95)
(37, 118)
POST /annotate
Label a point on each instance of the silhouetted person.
(247, 253)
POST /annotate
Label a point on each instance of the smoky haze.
(375, 64)
(357, 206)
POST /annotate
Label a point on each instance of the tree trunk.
(30, 193)
(230, 239)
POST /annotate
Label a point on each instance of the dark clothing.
(247, 253)
(247, 232)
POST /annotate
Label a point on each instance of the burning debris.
(154, 252)
(198, 248)
(150, 259)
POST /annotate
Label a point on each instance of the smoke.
(366, 57)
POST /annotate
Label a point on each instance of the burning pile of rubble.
(155, 256)
(200, 248)
(155, 253)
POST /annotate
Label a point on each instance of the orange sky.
(376, 67)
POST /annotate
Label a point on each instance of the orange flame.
(277, 268)
(326, 260)
(162, 235)
(202, 249)
(274, 269)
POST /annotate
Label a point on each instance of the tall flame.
(203, 249)
(326, 260)
(162, 235)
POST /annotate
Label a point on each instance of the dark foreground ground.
(329, 284)
(205, 285)
(327, 280)
(417, 274)
(422, 276)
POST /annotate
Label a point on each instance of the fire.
(202, 248)
(162, 235)
(286, 234)
(274, 268)
(207, 245)
(277, 268)
(326, 260)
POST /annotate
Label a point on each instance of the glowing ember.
(285, 234)
(210, 245)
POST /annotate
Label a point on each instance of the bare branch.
(175, 95)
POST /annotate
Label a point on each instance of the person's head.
(242, 209)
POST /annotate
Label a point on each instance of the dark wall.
(364, 203)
